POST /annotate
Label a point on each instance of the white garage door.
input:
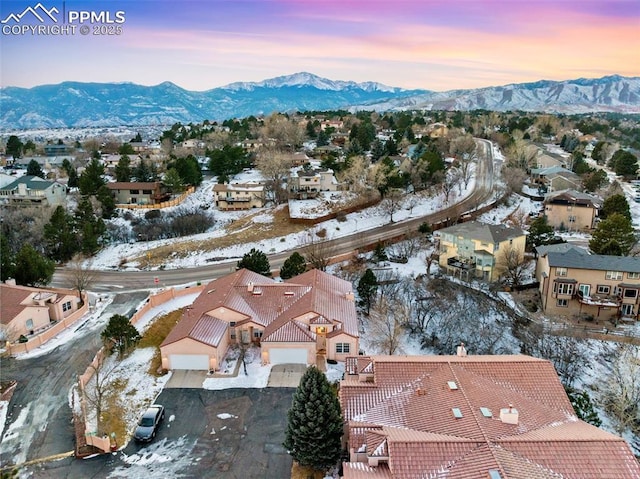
(189, 361)
(287, 356)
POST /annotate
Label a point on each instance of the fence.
(41, 338)
(157, 206)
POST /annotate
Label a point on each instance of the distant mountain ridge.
(76, 104)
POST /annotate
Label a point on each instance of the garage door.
(189, 361)
(287, 356)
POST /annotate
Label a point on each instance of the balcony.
(461, 263)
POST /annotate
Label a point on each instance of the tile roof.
(486, 233)
(273, 305)
(601, 262)
(209, 330)
(407, 412)
(11, 298)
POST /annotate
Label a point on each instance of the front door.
(321, 339)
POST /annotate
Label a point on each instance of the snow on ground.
(256, 376)
(4, 406)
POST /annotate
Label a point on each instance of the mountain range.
(76, 104)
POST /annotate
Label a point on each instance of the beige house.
(475, 417)
(305, 184)
(138, 193)
(479, 250)
(306, 318)
(573, 282)
(571, 210)
(239, 196)
(33, 191)
(26, 311)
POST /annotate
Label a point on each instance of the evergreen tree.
(367, 289)
(323, 138)
(107, 202)
(62, 242)
(314, 425)
(14, 147)
(594, 180)
(256, 261)
(126, 149)
(540, 233)
(189, 170)
(624, 163)
(34, 169)
(123, 169)
(379, 254)
(71, 173)
(293, 266)
(7, 266)
(377, 150)
(92, 178)
(615, 204)
(173, 182)
(120, 335)
(311, 131)
(583, 406)
(90, 227)
(31, 268)
(613, 236)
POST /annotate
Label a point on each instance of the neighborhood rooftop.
(487, 233)
(601, 262)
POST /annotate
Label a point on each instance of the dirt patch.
(301, 472)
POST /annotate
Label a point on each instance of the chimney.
(509, 415)
(10, 282)
(461, 351)
(349, 295)
(250, 286)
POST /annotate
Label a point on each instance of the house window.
(572, 219)
(29, 324)
(564, 288)
(633, 275)
(232, 324)
(604, 289)
(561, 271)
(135, 192)
(66, 306)
(627, 309)
(630, 293)
(614, 275)
(562, 303)
(146, 192)
(342, 348)
(257, 334)
(585, 289)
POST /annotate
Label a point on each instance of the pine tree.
(293, 266)
(34, 169)
(367, 289)
(379, 254)
(62, 241)
(314, 426)
(32, 269)
(7, 267)
(92, 178)
(123, 169)
(120, 335)
(613, 236)
(256, 261)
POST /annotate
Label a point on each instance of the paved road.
(39, 422)
(144, 280)
(231, 433)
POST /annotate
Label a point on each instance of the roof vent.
(509, 415)
(452, 385)
(250, 286)
(256, 292)
(420, 392)
(461, 350)
(457, 413)
(289, 293)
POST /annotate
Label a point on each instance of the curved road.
(114, 281)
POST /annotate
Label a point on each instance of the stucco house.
(138, 193)
(33, 191)
(308, 183)
(309, 317)
(26, 310)
(571, 210)
(475, 417)
(239, 196)
(574, 282)
(478, 250)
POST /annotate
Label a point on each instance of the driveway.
(230, 433)
(286, 375)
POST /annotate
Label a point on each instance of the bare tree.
(449, 182)
(286, 134)
(99, 388)
(430, 257)
(513, 178)
(275, 166)
(463, 148)
(621, 396)
(511, 265)
(521, 153)
(82, 275)
(392, 203)
(317, 250)
(355, 176)
(385, 324)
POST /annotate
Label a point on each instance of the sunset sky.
(434, 45)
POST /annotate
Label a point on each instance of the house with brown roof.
(573, 282)
(138, 193)
(470, 417)
(307, 317)
(239, 196)
(26, 311)
(571, 210)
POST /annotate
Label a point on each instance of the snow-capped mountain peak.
(306, 79)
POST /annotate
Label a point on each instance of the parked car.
(149, 423)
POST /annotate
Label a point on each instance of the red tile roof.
(407, 411)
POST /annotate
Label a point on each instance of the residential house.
(138, 193)
(56, 149)
(239, 196)
(33, 191)
(192, 143)
(479, 250)
(437, 130)
(26, 311)
(476, 417)
(546, 161)
(556, 178)
(573, 282)
(308, 183)
(310, 316)
(571, 210)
